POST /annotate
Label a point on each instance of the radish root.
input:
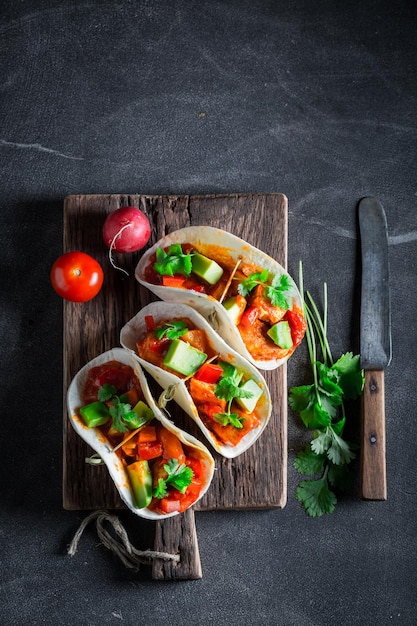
(113, 264)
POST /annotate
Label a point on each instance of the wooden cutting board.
(254, 480)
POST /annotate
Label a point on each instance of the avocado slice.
(206, 268)
(235, 308)
(280, 334)
(183, 358)
(249, 404)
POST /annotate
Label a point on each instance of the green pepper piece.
(140, 477)
(95, 414)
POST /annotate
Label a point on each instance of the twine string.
(119, 544)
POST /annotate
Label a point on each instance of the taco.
(223, 393)
(247, 297)
(159, 470)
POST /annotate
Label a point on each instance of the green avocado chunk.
(280, 334)
(249, 404)
(206, 268)
(183, 358)
(141, 414)
(95, 414)
(234, 309)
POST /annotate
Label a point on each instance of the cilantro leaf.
(314, 416)
(174, 261)
(278, 290)
(248, 284)
(179, 476)
(229, 418)
(160, 491)
(300, 397)
(121, 412)
(228, 388)
(171, 330)
(308, 462)
(316, 497)
(337, 449)
(340, 476)
(105, 392)
(350, 375)
(328, 384)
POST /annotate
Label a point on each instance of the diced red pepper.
(199, 288)
(147, 434)
(147, 450)
(173, 281)
(209, 373)
(159, 346)
(169, 506)
(249, 317)
(150, 323)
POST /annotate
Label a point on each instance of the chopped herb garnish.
(228, 389)
(174, 261)
(171, 330)
(278, 290)
(321, 408)
(121, 412)
(179, 477)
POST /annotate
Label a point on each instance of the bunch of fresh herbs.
(321, 407)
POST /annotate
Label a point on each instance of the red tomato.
(249, 317)
(297, 324)
(76, 276)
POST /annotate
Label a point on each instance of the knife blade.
(375, 345)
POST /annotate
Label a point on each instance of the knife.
(375, 345)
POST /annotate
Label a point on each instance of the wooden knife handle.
(177, 535)
(373, 464)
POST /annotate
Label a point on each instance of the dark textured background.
(316, 100)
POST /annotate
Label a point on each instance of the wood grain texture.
(257, 478)
(373, 449)
(177, 535)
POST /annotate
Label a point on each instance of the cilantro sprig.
(179, 476)
(171, 330)
(228, 389)
(321, 408)
(278, 290)
(121, 412)
(173, 261)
